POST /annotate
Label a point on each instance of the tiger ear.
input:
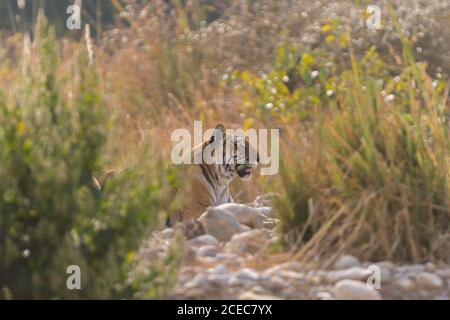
(218, 133)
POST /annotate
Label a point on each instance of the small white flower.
(268, 106)
(314, 74)
(330, 93)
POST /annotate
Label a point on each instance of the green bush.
(52, 133)
(298, 82)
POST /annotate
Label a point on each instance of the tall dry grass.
(371, 177)
(361, 173)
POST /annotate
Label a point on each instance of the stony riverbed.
(227, 256)
(214, 269)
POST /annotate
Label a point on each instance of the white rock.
(430, 267)
(293, 266)
(167, 233)
(218, 279)
(324, 295)
(203, 240)
(273, 283)
(355, 290)
(250, 241)
(385, 264)
(249, 295)
(266, 211)
(405, 284)
(184, 277)
(208, 251)
(259, 290)
(290, 265)
(413, 268)
(220, 224)
(274, 270)
(206, 260)
(218, 269)
(199, 280)
(427, 280)
(247, 274)
(229, 258)
(355, 273)
(424, 294)
(386, 275)
(192, 293)
(239, 282)
(386, 269)
(226, 256)
(346, 262)
(443, 273)
(314, 280)
(248, 216)
(292, 275)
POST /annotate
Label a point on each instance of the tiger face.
(222, 157)
(238, 158)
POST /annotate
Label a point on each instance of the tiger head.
(238, 157)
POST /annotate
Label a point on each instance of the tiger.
(209, 183)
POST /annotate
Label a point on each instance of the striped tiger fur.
(209, 183)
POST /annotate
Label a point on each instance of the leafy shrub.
(298, 82)
(52, 133)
